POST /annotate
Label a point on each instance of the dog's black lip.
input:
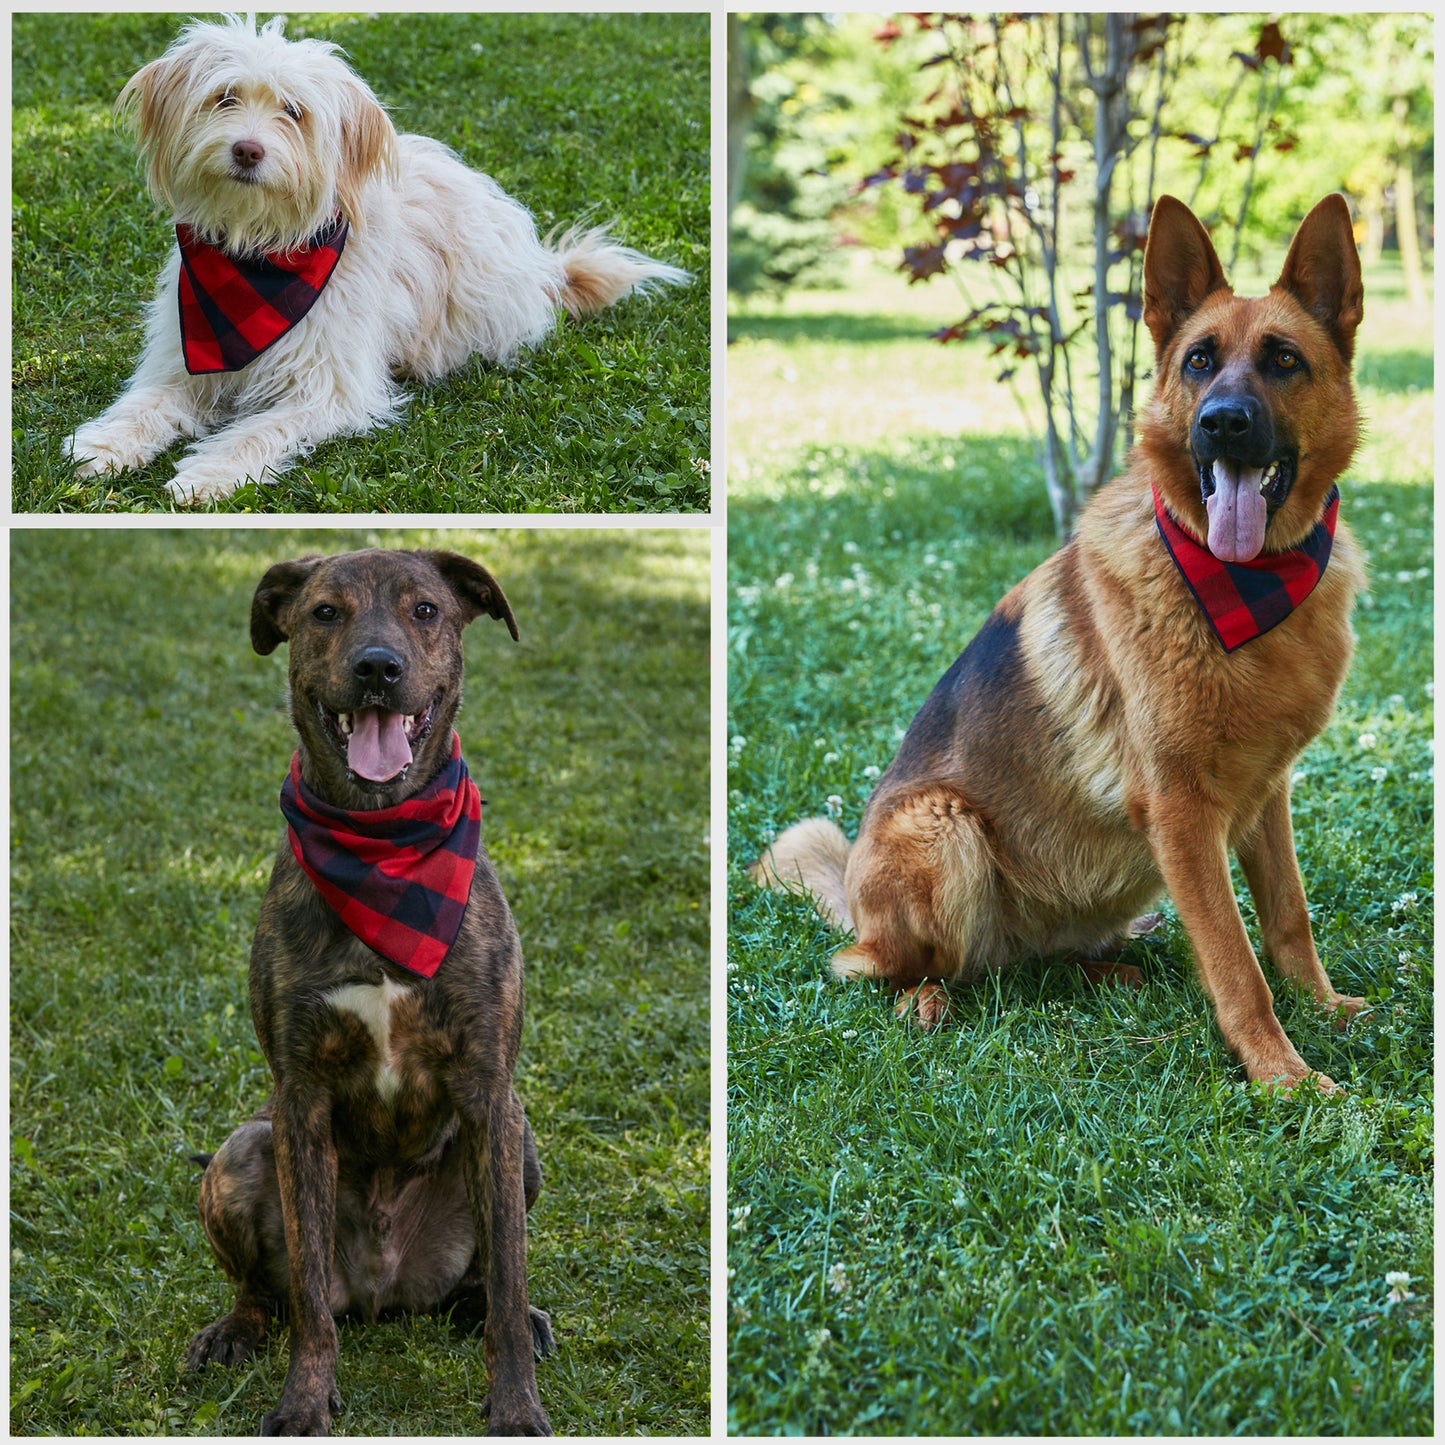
(1276, 494)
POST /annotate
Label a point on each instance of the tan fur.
(1096, 746)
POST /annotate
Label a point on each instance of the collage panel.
(1080, 725)
(375, 761)
(405, 262)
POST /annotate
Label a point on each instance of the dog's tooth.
(343, 720)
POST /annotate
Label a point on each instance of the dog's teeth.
(344, 722)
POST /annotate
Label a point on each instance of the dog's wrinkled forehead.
(373, 583)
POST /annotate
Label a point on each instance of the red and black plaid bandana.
(1242, 600)
(233, 308)
(398, 878)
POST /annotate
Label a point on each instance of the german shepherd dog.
(1102, 740)
(393, 1165)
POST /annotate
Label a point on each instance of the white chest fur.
(373, 1004)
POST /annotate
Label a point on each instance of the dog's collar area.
(233, 307)
(398, 878)
(1243, 600)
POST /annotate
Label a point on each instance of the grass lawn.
(1067, 1214)
(579, 116)
(148, 744)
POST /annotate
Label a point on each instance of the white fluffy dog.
(263, 341)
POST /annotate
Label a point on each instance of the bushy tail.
(600, 272)
(810, 857)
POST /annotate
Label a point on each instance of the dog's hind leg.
(922, 885)
(241, 1212)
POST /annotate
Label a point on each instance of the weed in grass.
(1067, 1214)
(147, 751)
(601, 116)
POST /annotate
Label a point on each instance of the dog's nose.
(1228, 419)
(248, 153)
(377, 665)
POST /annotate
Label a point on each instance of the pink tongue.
(1237, 512)
(378, 749)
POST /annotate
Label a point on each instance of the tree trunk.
(1406, 232)
(740, 109)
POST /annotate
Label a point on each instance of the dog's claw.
(924, 1004)
(230, 1341)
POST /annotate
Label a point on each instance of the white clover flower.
(1404, 903)
(1367, 741)
(1378, 775)
(740, 1217)
(872, 771)
(737, 742)
(834, 804)
(1430, 688)
(830, 757)
(783, 582)
(1397, 1279)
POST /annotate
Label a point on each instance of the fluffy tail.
(598, 271)
(810, 857)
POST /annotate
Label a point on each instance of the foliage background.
(147, 746)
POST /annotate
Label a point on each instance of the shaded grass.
(581, 117)
(1067, 1214)
(147, 749)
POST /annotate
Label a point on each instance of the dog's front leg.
(257, 448)
(492, 1138)
(1188, 838)
(1271, 867)
(144, 420)
(306, 1172)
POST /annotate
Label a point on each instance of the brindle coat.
(1094, 745)
(392, 1166)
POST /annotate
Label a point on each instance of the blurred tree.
(1041, 137)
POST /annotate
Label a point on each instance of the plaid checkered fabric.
(398, 878)
(233, 308)
(1242, 600)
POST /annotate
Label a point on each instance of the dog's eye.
(424, 611)
(325, 612)
(1286, 359)
(293, 110)
(225, 100)
(1198, 359)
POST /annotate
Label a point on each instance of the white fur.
(440, 262)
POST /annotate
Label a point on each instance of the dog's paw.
(95, 454)
(1288, 1086)
(1341, 1008)
(300, 1416)
(542, 1342)
(1109, 972)
(191, 485)
(924, 1004)
(528, 1418)
(232, 1339)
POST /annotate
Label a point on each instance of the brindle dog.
(393, 1165)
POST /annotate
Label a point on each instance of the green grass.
(1067, 1214)
(147, 746)
(603, 117)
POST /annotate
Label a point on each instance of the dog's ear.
(368, 146)
(271, 603)
(1180, 269)
(154, 101)
(474, 587)
(1322, 272)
